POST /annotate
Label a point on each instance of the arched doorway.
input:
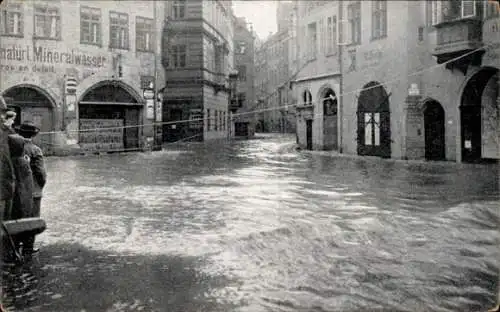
(434, 131)
(374, 123)
(476, 127)
(307, 100)
(33, 104)
(114, 114)
(330, 107)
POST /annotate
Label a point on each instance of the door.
(434, 132)
(131, 133)
(173, 131)
(471, 133)
(309, 134)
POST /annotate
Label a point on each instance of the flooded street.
(258, 226)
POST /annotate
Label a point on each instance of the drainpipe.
(155, 85)
(341, 82)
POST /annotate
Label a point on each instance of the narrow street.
(259, 226)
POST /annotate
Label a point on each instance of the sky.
(261, 15)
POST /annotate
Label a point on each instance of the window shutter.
(437, 12)
(321, 36)
(344, 32)
(468, 8)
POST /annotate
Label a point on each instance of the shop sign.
(31, 58)
(150, 108)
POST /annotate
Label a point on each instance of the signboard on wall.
(150, 109)
(101, 134)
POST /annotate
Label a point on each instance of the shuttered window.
(468, 9)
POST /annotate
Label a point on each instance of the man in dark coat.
(28, 130)
(22, 204)
(6, 170)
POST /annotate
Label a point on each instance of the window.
(372, 129)
(47, 22)
(209, 121)
(179, 9)
(90, 25)
(12, 19)
(118, 30)
(195, 119)
(216, 119)
(354, 20)
(241, 99)
(379, 19)
(331, 35)
(492, 9)
(242, 72)
(177, 56)
(444, 11)
(313, 42)
(144, 34)
(420, 34)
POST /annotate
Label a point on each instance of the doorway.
(434, 131)
(309, 131)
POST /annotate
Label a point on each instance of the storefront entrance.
(434, 131)
(374, 123)
(476, 127)
(33, 104)
(330, 107)
(110, 119)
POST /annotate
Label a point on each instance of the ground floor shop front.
(107, 116)
(447, 115)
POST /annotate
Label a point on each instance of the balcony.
(457, 37)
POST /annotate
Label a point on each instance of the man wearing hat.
(28, 130)
(7, 178)
(10, 117)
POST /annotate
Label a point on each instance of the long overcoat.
(22, 205)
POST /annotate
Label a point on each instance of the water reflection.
(257, 226)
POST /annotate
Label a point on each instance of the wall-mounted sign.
(150, 108)
(40, 54)
(159, 111)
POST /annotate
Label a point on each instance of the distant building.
(198, 56)
(71, 79)
(243, 103)
(273, 74)
(424, 85)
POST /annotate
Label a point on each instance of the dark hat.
(28, 129)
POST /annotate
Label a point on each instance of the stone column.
(413, 143)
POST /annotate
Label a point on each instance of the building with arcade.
(80, 71)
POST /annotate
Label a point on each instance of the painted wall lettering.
(39, 54)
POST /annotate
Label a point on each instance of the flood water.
(258, 226)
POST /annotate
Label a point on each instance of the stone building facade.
(198, 56)
(317, 83)
(243, 102)
(419, 80)
(72, 77)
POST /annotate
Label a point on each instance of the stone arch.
(374, 124)
(114, 83)
(46, 93)
(434, 129)
(477, 131)
(35, 104)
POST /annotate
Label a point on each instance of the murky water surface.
(258, 226)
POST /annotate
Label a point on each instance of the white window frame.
(179, 9)
(470, 2)
(196, 119)
(144, 34)
(94, 25)
(49, 18)
(312, 44)
(12, 14)
(436, 12)
(332, 35)
(122, 29)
